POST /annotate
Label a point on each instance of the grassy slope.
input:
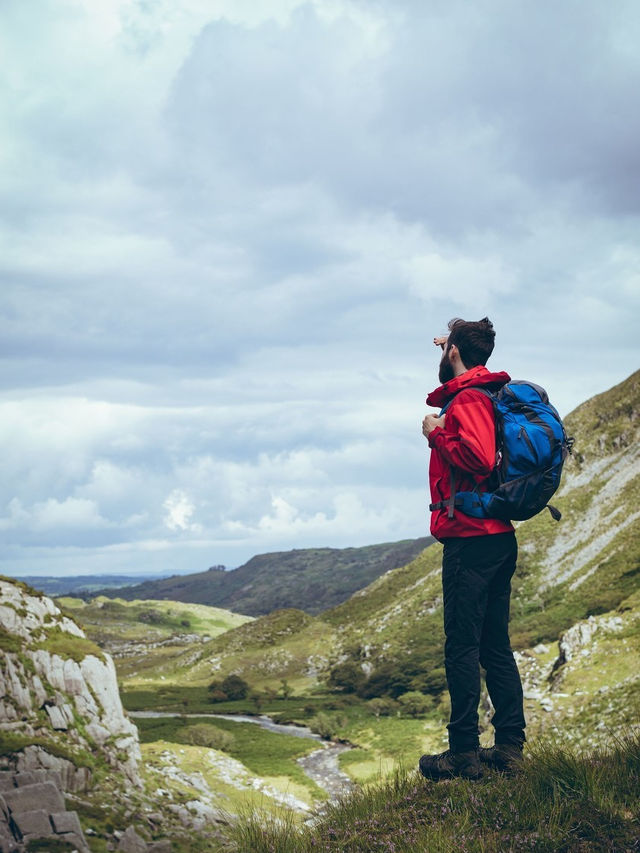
(311, 579)
(561, 801)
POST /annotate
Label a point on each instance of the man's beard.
(445, 373)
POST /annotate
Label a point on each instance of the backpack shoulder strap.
(450, 504)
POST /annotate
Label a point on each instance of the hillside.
(311, 579)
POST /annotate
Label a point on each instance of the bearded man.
(479, 558)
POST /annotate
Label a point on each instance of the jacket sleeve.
(468, 439)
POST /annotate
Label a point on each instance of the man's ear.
(454, 352)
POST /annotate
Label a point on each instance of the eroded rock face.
(72, 702)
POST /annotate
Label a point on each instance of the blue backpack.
(531, 447)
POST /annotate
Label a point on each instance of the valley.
(249, 721)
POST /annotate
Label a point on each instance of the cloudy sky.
(231, 228)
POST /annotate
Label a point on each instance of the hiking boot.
(506, 757)
(448, 764)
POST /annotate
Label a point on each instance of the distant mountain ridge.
(310, 579)
(72, 584)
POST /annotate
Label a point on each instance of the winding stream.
(321, 765)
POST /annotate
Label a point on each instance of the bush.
(383, 707)
(434, 681)
(327, 725)
(205, 734)
(414, 703)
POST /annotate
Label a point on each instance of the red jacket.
(468, 443)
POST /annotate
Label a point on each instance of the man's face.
(445, 373)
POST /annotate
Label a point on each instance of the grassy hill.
(562, 801)
(311, 579)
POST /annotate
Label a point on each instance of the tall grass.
(560, 802)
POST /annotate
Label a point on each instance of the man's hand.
(440, 340)
(430, 422)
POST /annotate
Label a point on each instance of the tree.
(386, 680)
(235, 687)
(285, 688)
(347, 677)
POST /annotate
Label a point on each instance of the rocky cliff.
(59, 691)
(63, 731)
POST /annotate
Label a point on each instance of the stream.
(321, 765)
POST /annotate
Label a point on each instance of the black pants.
(476, 581)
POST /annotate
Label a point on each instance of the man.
(479, 559)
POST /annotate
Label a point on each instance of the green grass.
(262, 752)
(9, 642)
(561, 801)
(59, 642)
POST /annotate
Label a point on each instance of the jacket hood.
(477, 376)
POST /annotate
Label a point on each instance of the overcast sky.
(231, 229)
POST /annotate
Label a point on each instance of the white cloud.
(180, 509)
(232, 230)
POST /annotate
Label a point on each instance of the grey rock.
(27, 777)
(8, 844)
(66, 822)
(131, 842)
(42, 795)
(77, 840)
(6, 781)
(57, 718)
(35, 823)
(162, 846)
(70, 777)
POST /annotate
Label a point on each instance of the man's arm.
(467, 438)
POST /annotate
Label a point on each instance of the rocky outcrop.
(579, 639)
(60, 692)
(32, 807)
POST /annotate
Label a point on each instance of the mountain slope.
(311, 579)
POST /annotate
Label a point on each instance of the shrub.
(434, 681)
(414, 703)
(327, 725)
(205, 734)
(383, 707)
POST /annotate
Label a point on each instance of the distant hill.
(83, 583)
(311, 579)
